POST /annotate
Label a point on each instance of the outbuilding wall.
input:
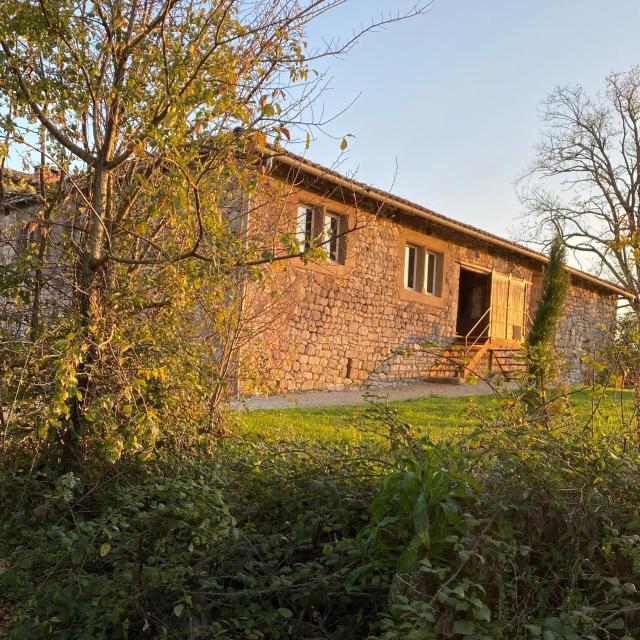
(340, 323)
(586, 327)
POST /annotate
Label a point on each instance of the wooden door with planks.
(508, 307)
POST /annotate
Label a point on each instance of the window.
(331, 236)
(421, 270)
(411, 267)
(430, 275)
(304, 226)
(315, 226)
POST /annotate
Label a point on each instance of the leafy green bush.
(125, 569)
(160, 555)
(541, 542)
(518, 531)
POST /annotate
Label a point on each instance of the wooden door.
(499, 305)
(508, 306)
(517, 309)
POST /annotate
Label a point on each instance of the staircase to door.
(453, 363)
(483, 358)
(491, 325)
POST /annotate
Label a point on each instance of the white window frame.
(430, 272)
(332, 238)
(408, 247)
(304, 226)
(425, 277)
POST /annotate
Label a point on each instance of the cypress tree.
(555, 284)
(541, 340)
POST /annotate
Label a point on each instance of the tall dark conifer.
(555, 284)
(542, 336)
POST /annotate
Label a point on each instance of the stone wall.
(12, 233)
(584, 330)
(342, 322)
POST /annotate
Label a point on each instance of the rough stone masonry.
(339, 322)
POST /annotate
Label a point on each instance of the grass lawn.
(440, 417)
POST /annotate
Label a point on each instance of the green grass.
(439, 417)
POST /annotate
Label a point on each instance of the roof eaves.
(412, 208)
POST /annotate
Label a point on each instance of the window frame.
(304, 232)
(342, 263)
(430, 272)
(408, 248)
(430, 265)
(332, 243)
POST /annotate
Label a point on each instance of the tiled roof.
(19, 188)
(384, 197)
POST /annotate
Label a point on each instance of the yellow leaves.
(171, 118)
(105, 547)
(261, 139)
(343, 144)
(43, 430)
(114, 447)
(146, 375)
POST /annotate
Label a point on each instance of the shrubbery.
(516, 531)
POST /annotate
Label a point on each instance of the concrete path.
(311, 399)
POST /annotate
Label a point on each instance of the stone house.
(20, 209)
(404, 293)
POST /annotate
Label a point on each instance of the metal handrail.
(467, 346)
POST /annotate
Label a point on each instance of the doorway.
(474, 298)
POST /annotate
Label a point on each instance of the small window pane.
(431, 273)
(410, 263)
(304, 226)
(331, 221)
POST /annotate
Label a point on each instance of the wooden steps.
(510, 363)
(453, 363)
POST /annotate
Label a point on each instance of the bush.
(518, 531)
(125, 567)
(541, 542)
(160, 555)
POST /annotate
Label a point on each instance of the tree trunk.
(34, 323)
(89, 303)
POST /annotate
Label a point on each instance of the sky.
(448, 104)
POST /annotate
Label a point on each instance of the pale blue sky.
(454, 96)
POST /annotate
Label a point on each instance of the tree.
(590, 154)
(155, 113)
(542, 336)
(588, 166)
(555, 284)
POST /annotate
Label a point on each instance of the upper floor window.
(332, 236)
(421, 270)
(326, 229)
(411, 267)
(431, 266)
(304, 226)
